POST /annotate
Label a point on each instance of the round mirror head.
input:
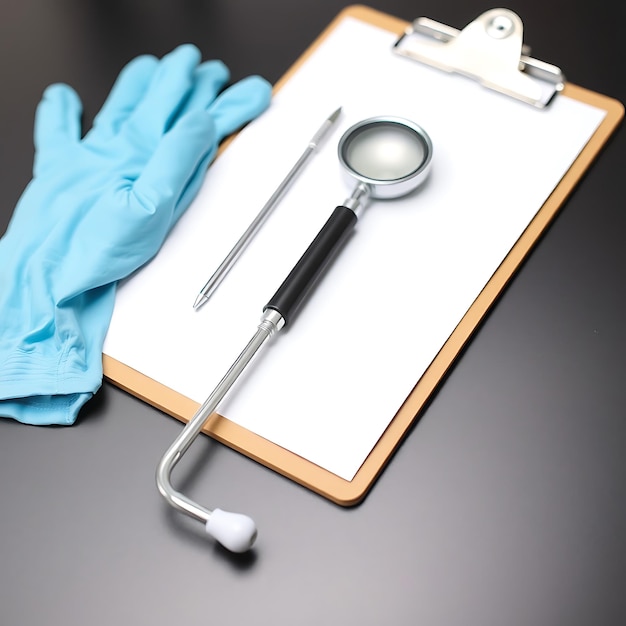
(391, 155)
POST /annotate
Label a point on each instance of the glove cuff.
(41, 391)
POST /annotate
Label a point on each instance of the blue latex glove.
(97, 209)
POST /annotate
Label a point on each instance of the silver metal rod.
(225, 266)
(271, 322)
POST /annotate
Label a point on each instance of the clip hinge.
(490, 50)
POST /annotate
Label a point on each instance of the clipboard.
(296, 466)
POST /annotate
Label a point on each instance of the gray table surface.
(506, 504)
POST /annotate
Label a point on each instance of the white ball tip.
(234, 531)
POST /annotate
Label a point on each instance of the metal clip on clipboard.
(490, 50)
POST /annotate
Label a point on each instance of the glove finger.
(209, 79)
(239, 104)
(170, 85)
(125, 95)
(57, 124)
(176, 164)
(242, 102)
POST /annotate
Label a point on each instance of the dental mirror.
(388, 157)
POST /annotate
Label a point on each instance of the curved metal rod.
(270, 323)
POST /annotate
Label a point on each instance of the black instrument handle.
(290, 294)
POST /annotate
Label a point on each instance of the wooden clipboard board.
(304, 472)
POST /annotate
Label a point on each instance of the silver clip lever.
(489, 50)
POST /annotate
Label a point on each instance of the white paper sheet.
(328, 385)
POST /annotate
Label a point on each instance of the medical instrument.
(389, 157)
(231, 258)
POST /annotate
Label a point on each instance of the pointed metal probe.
(233, 255)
